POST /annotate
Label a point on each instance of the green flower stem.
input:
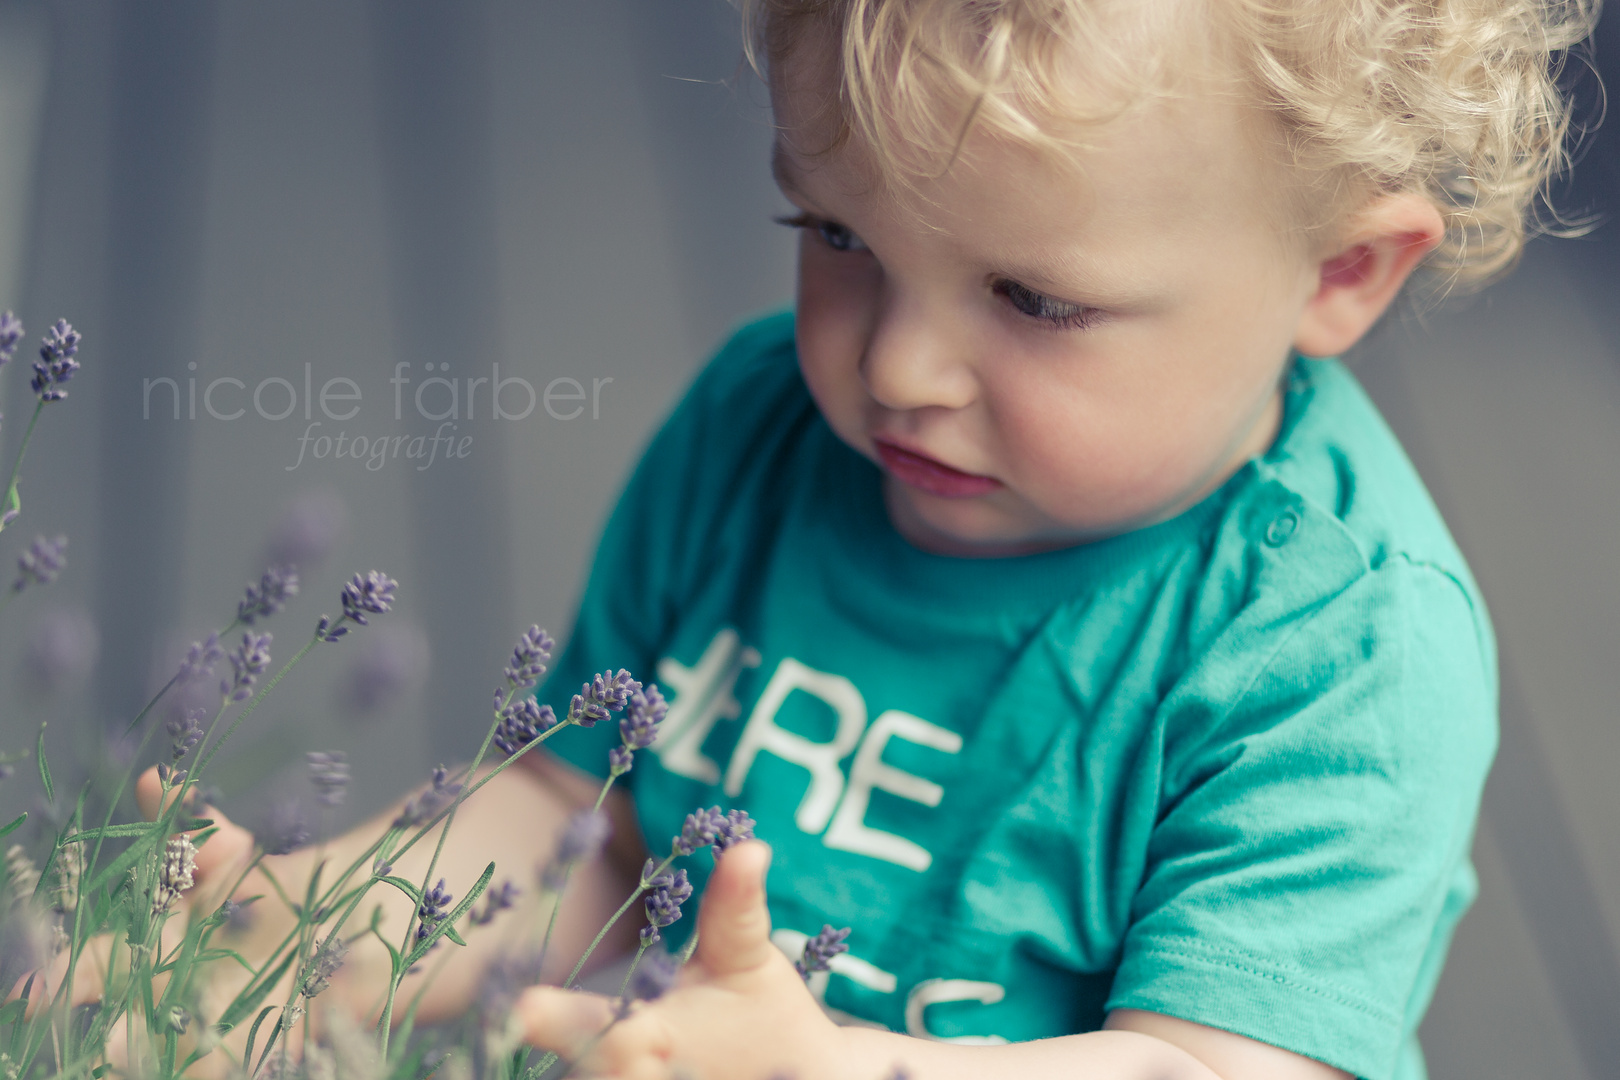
(624, 987)
(617, 915)
(65, 991)
(386, 1020)
(568, 872)
(13, 500)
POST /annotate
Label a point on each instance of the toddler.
(1075, 631)
(1070, 624)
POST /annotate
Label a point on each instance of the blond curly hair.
(1455, 99)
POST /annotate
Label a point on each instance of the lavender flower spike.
(655, 974)
(248, 662)
(175, 875)
(736, 828)
(529, 658)
(698, 831)
(819, 951)
(43, 560)
(185, 732)
(200, 660)
(276, 586)
(604, 695)
(11, 332)
(496, 901)
(369, 595)
(329, 772)
(669, 892)
(521, 723)
(435, 905)
(323, 965)
(581, 840)
(422, 808)
(285, 831)
(56, 365)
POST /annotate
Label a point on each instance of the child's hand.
(739, 1009)
(219, 863)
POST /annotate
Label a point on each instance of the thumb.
(734, 926)
(229, 848)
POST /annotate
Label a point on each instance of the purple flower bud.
(323, 965)
(385, 667)
(329, 772)
(372, 594)
(496, 901)
(248, 662)
(424, 807)
(43, 560)
(11, 332)
(276, 586)
(308, 529)
(581, 841)
(521, 723)
(604, 695)
(733, 830)
(185, 732)
(435, 905)
(663, 903)
(285, 829)
(819, 950)
(200, 660)
(653, 976)
(529, 658)
(56, 365)
(62, 650)
(620, 758)
(699, 830)
(638, 728)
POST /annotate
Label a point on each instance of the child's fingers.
(577, 1027)
(88, 976)
(733, 923)
(562, 1020)
(227, 851)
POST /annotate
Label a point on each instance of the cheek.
(834, 311)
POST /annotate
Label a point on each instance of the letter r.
(819, 759)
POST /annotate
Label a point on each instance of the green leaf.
(253, 993)
(451, 919)
(11, 826)
(133, 854)
(12, 1011)
(44, 767)
(405, 887)
(450, 933)
(111, 832)
(253, 1032)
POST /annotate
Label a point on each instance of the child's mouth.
(934, 477)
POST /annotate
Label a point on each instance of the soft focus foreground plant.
(123, 882)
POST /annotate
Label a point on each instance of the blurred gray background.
(311, 190)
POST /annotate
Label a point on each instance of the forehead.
(1167, 172)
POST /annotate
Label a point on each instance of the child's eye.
(1061, 314)
(836, 236)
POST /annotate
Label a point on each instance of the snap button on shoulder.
(1282, 528)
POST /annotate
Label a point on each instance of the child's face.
(1038, 355)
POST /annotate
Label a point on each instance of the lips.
(935, 477)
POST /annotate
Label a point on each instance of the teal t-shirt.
(1224, 768)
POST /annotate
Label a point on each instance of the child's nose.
(913, 360)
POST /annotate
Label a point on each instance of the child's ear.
(1383, 245)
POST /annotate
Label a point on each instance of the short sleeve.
(1314, 836)
(670, 522)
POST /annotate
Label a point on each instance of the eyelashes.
(1059, 314)
(836, 236)
(1055, 314)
